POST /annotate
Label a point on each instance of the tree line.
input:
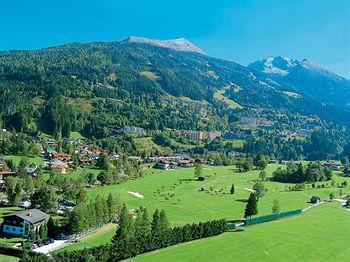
(298, 173)
(139, 235)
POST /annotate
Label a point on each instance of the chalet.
(186, 163)
(94, 154)
(52, 142)
(21, 223)
(315, 199)
(165, 165)
(56, 164)
(60, 156)
(332, 165)
(262, 122)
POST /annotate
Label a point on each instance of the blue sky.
(241, 31)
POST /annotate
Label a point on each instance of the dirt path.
(136, 194)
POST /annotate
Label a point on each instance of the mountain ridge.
(305, 77)
(178, 44)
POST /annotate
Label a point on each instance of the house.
(6, 173)
(134, 130)
(304, 133)
(56, 164)
(332, 165)
(163, 165)
(52, 142)
(21, 223)
(315, 200)
(186, 162)
(248, 120)
(61, 156)
(213, 134)
(262, 122)
(31, 170)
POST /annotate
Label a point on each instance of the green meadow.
(321, 234)
(179, 194)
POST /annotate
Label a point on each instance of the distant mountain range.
(305, 78)
(146, 81)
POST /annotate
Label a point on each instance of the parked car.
(62, 237)
(33, 246)
(46, 241)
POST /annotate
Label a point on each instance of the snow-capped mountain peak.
(178, 44)
(274, 65)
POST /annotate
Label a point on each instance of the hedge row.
(133, 246)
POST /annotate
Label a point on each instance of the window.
(7, 227)
(13, 229)
(21, 230)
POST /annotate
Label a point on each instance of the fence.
(256, 220)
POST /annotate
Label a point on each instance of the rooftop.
(31, 215)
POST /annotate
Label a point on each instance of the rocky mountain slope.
(305, 77)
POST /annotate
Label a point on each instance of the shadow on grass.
(187, 179)
(242, 200)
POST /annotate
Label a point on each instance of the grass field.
(101, 236)
(219, 95)
(179, 194)
(75, 135)
(4, 258)
(321, 234)
(82, 171)
(35, 160)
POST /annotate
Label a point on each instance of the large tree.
(251, 208)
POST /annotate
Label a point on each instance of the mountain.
(98, 88)
(178, 44)
(305, 78)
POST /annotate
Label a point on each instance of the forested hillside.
(98, 88)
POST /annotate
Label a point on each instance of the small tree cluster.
(137, 236)
(92, 214)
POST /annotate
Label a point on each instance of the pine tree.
(142, 230)
(155, 221)
(43, 232)
(120, 244)
(252, 206)
(125, 224)
(111, 207)
(163, 221)
(232, 190)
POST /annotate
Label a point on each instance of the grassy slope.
(219, 95)
(190, 205)
(5, 258)
(99, 237)
(319, 235)
(195, 206)
(36, 160)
